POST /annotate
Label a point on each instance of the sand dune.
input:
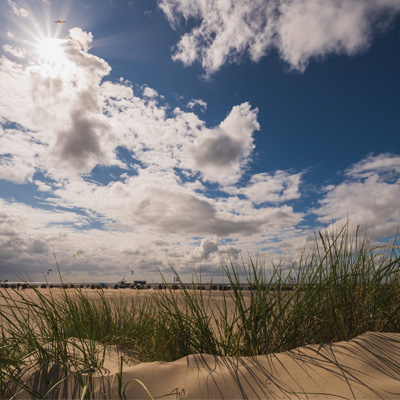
(367, 367)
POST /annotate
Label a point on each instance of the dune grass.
(341, 288)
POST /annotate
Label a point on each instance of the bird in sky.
(59, 22)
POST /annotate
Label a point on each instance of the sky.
(148, 134)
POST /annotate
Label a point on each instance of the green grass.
(343, 287)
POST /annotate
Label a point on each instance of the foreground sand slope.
(367, 367)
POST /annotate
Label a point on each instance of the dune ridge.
(367, 367)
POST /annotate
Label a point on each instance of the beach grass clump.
(344, 286)
(341, 288)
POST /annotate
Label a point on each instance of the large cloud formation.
(61, 121)
(299, 30)
(125, 180)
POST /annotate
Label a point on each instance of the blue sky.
(145, 134)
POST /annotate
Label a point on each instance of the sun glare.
(51, 50)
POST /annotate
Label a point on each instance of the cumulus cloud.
(60, 120)
(80, 147)
(299, 30)
(59, 100)
(16, 10)
(233, 253)
(25, 233)
(150, 93)
(207, 247)
(266, 188)
(80, 121)
(28, 236)
(82, 38)
(210, 255)
(221, 153)
(76, 50)
(42, 186)
(369, 196)
(158, 203)
(181, 139)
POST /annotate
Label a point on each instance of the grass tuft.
(343, 287)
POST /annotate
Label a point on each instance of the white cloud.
(23, 228)
(14, 93)
(79, 146)
(369, 197)
(181, 140)
(206, 248)
(158, 203)
(60, 120)
(220, 154)
(60, 101)
(16, 10)
(384, 164)
(84, 39)
(233, 253)
(42, 186)
(299, 29)
(17, 52)
(28, 236)
(150, 93)
(197, 102)
(266, 188)
(19, 152)
(160, 242)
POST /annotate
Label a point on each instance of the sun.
(51, 50)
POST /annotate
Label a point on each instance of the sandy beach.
(366, 367)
